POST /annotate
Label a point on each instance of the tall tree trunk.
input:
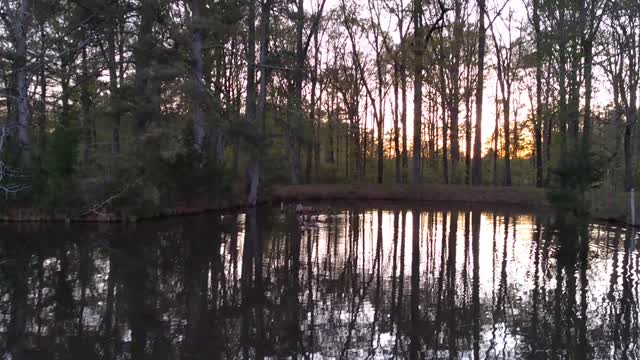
(516, 135)
(538, 116)
(331, 156)
(548, 131)
(445, 129)
(476, 170)
(403, 121)
(432, 130)
(197, 66)
(562, 79)
(396, 115)
(86, 104)
(197, 80)
(455, 87)
(21, 25)
(631, 113)
(216, 140)
(250, 111)
(467, 128)
(496, 136)
(379, 117)
(114, 92)
(317, 141)
(42, 120)
(265, 71)
(507, 140)
(145, 109)
(65, 79)
(312, 112)
(628, 156)
(587, 47)
(296, 97)
(418, 50)
(574, 95)
(365, 147)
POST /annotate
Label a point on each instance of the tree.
(197, 77)
(506, 72)
(538, 111)
(625, 78)
(250, 112)
(18, 21)
(421, 37)
(454, 75)
(476, 170)
(146, 85)
(296, 112)
(418, 53)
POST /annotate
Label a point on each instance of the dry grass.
(527, 197)
(610, 206)
(604, 205)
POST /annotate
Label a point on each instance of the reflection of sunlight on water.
(346, 284)
(507, 277)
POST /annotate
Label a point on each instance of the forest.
(149, 103)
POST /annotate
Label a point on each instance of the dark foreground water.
(349, 283)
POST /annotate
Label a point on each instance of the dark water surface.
(347, 283)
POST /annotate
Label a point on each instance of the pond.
(332, 282)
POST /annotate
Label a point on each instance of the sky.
(520, 97)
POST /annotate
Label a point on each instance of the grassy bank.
(604, 205)
(115, 215)
(612, 206)
(526, 197)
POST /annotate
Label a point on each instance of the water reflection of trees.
(348, 284)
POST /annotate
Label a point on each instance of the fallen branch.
(95, 209)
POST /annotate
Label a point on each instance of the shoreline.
(525, 197)
(454, 196)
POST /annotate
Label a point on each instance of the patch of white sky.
(509, 19)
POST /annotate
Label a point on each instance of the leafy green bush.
(54, 175)
(577, 172)
(185, 174)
